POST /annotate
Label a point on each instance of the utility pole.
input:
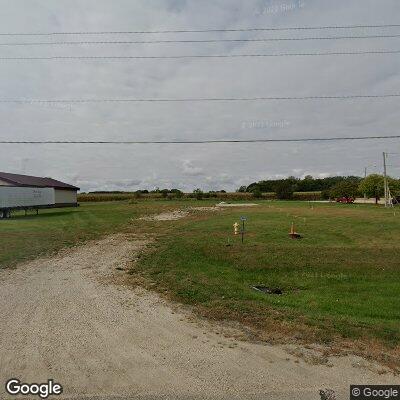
(385, 183)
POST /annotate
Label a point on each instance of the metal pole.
(365, 176)
(385, 180)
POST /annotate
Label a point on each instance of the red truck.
(345, 200)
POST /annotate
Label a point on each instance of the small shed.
(19, 191)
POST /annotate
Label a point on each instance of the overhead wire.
(248, 29)
(200, 99)
(126, 142)
(215, 56)
(123, 42)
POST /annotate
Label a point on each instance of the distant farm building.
(32, 192)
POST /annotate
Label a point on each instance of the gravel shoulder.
(61, 318)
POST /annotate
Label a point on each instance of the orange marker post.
(293, 234)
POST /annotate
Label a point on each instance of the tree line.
(284, 189)
(331, 187)
(307, 184)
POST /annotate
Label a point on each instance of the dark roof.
(26, 180)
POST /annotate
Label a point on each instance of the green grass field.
(24, 238)
(341, 280)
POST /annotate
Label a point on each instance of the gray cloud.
(214, 166)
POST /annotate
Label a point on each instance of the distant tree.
(308, 184)
(326, 194)
(394, 186)
(347, 189)
(164, 193)
(257, 194)
(373, 187)
(284, 190)
(242, 189)
(395, 189)
(198, 193)
(177, 193)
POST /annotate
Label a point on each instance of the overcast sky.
(217, 166)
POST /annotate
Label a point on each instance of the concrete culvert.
(268, 290)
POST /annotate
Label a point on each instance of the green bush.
(284, 190)
(345, 189)
(257, 194)
(198, 194)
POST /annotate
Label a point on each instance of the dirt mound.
(167, 216)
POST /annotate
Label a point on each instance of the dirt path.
(60, 320)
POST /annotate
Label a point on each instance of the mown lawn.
(27, 237)
(342, 279)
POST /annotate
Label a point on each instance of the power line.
(201, 30)
(340, 53)
(194, 41)
(197, 141)
(204, 99)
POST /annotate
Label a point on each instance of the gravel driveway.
(61, 319)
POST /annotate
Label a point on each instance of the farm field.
(340, 282)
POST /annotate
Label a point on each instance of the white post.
(365, 175)
(385, 181)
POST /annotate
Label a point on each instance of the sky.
(183, 166)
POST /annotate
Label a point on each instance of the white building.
(24, 192)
